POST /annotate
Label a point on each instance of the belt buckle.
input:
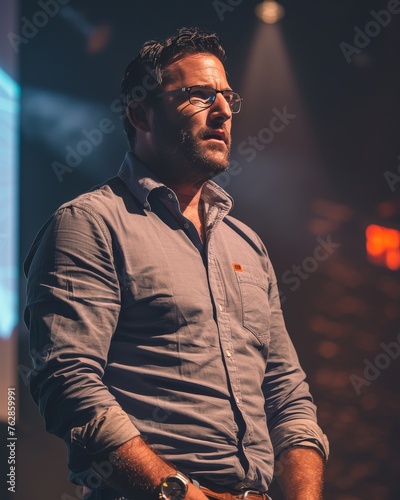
(252, 492)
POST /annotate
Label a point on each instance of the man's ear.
(137, 114)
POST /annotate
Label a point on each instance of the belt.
(213, 495)
(246, 495)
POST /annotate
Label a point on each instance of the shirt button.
(229, 354)
(186, 225)
(146, 204)
(220, 307)
(170, 196)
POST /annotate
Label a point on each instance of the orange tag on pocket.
(237, 267)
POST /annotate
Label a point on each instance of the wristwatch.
(174, 487)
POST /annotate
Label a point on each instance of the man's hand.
(136, 469)
(299, 472)
(194, 493)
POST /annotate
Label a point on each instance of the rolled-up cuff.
(108, 430)
(299, 432)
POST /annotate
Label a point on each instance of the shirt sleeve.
(289, 406)
(299, 432)
(73, 303)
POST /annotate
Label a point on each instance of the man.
(164, 361)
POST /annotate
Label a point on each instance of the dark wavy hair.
(143, 75)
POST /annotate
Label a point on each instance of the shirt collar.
(141, 182)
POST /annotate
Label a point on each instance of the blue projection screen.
(9, 205)
(9, 112)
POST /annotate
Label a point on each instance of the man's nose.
(220, 108)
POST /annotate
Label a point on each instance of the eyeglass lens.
(205, 96)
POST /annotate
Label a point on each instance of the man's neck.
(188, 193)
(189, 197)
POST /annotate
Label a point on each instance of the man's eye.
(228, 97)
(201, 94)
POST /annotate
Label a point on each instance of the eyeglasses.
(202, 96)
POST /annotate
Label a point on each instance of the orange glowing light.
(383, 246)
(269, 11)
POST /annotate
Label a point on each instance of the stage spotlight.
(269, 11)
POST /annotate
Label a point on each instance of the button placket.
(223, 324)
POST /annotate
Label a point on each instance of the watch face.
(173, 488)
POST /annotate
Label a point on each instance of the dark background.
(323, 176)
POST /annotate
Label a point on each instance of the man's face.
(193, 143)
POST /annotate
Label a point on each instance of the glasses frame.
(212, 98)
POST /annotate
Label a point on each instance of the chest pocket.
(256, 314)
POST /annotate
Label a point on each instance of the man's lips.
(218, 135)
